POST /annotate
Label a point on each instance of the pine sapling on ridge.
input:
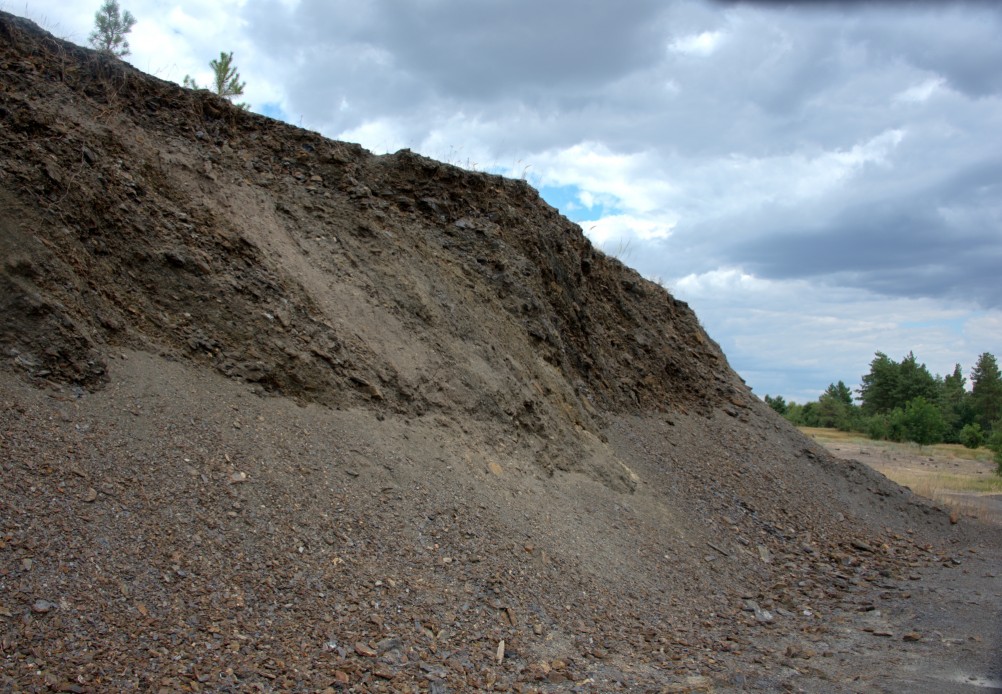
(110, 27)
(227, 79)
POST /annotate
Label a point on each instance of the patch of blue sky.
(568, 200)
(273, 110)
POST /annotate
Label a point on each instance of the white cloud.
(616, 233)
(923, 91)
(985, 328)
(380, 136)
(701, 44)
(597, 170)
(798, 336)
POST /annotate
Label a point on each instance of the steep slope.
(279, 413)
(315, 269)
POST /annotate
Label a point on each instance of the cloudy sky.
(819, 180)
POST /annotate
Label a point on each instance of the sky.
(818, 180)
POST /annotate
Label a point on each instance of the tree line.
(112, 26)
(903, 401)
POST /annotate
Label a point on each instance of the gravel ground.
(178, 532)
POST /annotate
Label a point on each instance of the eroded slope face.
(138, 213)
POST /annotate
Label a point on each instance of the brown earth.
(277, 414)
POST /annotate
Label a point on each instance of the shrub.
(878, 427)
(923, 422)
(972, 436)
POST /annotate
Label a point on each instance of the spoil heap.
(277, 413)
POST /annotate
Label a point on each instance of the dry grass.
(968, 495)
(922, 482)
(943, 450)
(959, 478)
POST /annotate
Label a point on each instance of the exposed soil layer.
(278, 414)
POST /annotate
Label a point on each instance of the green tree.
(879, 388)
(954, 400)
(777, 403)
(227, 79)
(986, 391)
(835, 408)
(994, 443)
(914, 381)
(110, 28)
(795, 413)
(840, 392)
(809, 415)
(830, 412)
(923, 422)
(877, 427)
(897, 425)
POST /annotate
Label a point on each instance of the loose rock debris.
(277, 414)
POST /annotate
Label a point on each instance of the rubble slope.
(280, 413)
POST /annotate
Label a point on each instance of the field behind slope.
(964, 480)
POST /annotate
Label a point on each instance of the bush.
(920, 421)
(896, 425)
(878, 427)
(995, 444)
(972, 436)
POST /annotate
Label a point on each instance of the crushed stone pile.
(277, 414)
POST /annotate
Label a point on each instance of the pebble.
(365, 651)
(388, 644)
(42, 606)
(764, 554)
(383, 672)
(762, 615)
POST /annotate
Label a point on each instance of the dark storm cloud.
(965, 49)
(941, 242)
(390, 55)
(484, 49)
(850, 4)
(599, 70)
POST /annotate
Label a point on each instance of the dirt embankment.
(276, 413)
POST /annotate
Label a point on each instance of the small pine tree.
(228, 84)
(110, 28)
(986, 391)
